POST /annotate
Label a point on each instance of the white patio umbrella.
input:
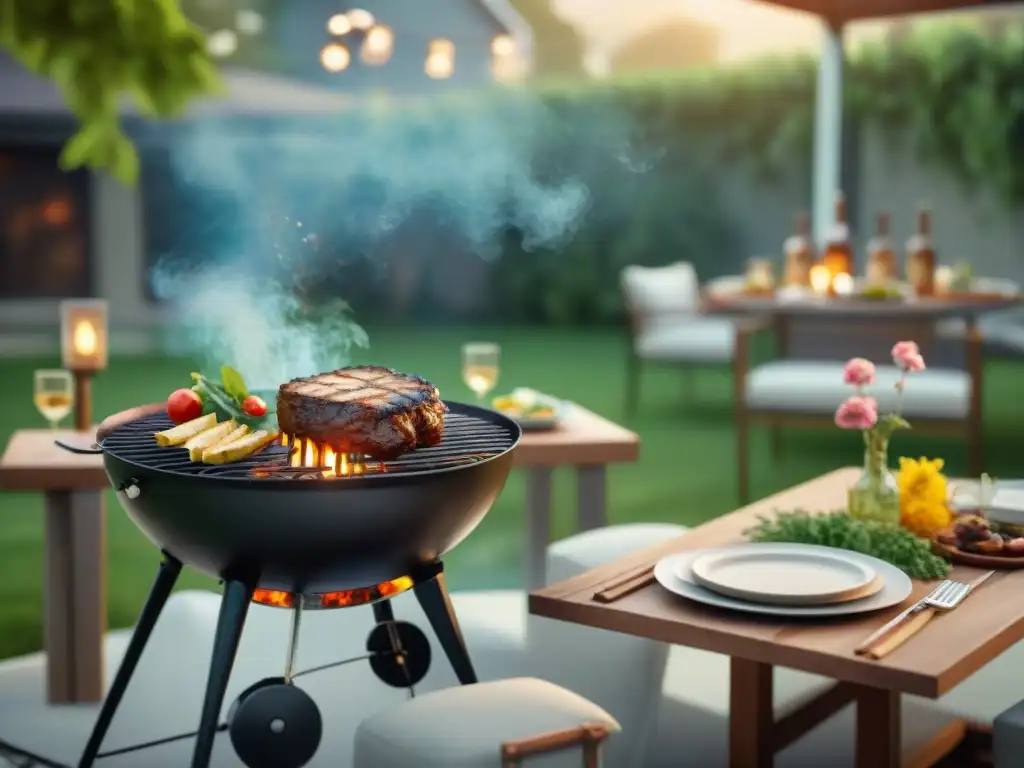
(828, 118)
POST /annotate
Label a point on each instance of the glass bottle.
(881, 266)
(798, 251)
(838, 254)
(876, 495)
(921, 256)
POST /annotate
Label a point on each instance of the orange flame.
(342, 599)
(308, 453)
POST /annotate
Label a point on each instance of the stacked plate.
(784, 579)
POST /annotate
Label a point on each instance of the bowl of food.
(532, 410)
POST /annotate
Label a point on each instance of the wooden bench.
(803, 386)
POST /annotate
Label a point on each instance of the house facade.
(81, 234)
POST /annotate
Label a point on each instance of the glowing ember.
(309, 453)
(342, 599)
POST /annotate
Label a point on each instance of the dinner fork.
(944, 597)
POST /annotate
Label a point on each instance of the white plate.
(804, 577)
(673, 573)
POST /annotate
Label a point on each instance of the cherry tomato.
(184, 405)
(254, 406)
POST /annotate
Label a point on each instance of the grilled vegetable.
(238, 434)
(179, 434)
(208, 439)
(184, 405)
(254, 406)
(239, 449)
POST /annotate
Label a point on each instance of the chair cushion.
(465, 726)
(687, 339)
(656, 290)
(793, 386)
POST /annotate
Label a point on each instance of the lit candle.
(760, 274)
(84, 335)
(842, 284)
(821, 279)
(943, 279)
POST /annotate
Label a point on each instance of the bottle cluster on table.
(832, 271)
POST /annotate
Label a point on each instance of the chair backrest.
(652, 291)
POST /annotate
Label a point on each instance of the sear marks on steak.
(370, 410)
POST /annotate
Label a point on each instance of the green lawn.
(685, 473)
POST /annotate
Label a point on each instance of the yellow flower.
(923, 496)
(922, 480)
(923, 518)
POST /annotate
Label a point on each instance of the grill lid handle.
(84, 450)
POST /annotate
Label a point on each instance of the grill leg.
(233, 610)
(158, 594)
(437, 604)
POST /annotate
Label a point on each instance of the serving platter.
(675, 575)
(785, 577)
(976, 559)
(532, 423)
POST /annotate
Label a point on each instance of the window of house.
(45, 248)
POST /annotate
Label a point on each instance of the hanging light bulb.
(339, 25)
(334, 57)
(222, 43)
(360, 19)
(248, 22)
(503, 46)
(378, 45)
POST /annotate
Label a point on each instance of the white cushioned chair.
(665, 324)
(804, 386)
(1002, 333)
(517, 721)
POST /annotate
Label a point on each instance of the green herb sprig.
(894, 545)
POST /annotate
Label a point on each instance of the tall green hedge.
(651, 153)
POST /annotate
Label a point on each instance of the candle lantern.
(760, 275)
(84, 343)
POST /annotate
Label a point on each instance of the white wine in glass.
(480, 367)
(54, 395)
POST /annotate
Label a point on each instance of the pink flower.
(907, 356)
(915, 364)
(858, 412)
(859, 372)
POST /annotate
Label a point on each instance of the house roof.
(514, 24)
(851, 10)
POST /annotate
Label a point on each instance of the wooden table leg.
(591, 503)
(75, 612)
(878, 737)
(538, 525)
(751, 714)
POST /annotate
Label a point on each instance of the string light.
(334, 57)
(360, 19)
(339, 25)
(378, 45)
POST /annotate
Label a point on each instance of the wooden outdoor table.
(75, 611)
(585, 441)
(949, 650)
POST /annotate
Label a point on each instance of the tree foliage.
(99, 51)
(679, 44)
(558, 47)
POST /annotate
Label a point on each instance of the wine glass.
(53, 395)
(480, 367)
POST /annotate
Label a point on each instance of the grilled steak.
(363, 409)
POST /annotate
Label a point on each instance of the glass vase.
(876, 495)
